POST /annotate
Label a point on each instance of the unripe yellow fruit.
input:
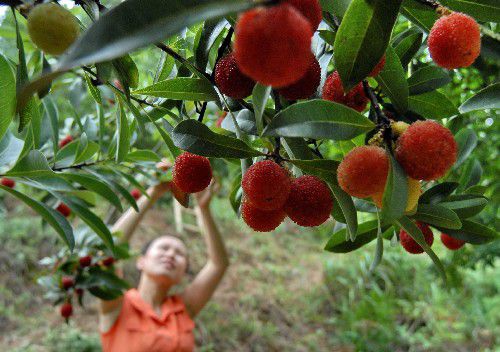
(399, 127)
(414, 191)
(52, 28)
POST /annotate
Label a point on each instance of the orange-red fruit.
(363, 171)
(230, 80)
(65, 140)
(410, 245)
(67, 282)
(377, 69)
(333, 91)
(261, 220)
(310, 202)
(85, 261)
(7, 182)
(266, 185)
(135, 193)
(64, 210)
(310, 9)
(273, 45)
(451, 243)
(192, 173)
(426, 150)
(66, 310)
(306, 86)
(455, 41)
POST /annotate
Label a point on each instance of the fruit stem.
(383, 122)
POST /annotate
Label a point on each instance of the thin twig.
(431, 3)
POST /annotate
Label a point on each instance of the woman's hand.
(161, 188)
(204, 197)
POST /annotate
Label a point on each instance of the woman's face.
(166, 258)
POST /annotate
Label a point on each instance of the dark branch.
(431, 3)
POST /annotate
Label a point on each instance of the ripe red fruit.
(66, 310)
(192, 173)
(67, 282)
(108, 261)
(310, 202)
(136, 193)
(377, 69)
(363, 172)
(230, 80)
(455, 41)
(85, 261)
(333, 91)
(7, 182)
(410, 245)
(266, 185)
(306, 86)
(426, 150)
(451, 242)
(261, 220)
(65, 140)
(310, 9)
(273, 45)
(64, 210)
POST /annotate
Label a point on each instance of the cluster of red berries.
(7, 182)
(271, 194)
(192, 173)
(411, 246)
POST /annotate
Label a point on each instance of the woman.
(148, 319)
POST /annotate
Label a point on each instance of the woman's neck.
(153, 292)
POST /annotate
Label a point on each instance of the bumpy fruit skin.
(455, 41)
(266, 185)
(135, 193)
(306, 86)
(66, 310)
(377, 69)
(67, 282)
(451, 243)
(273, 45)
(261, 220)
(65, 140)
(414, 192)
(310, 9)
(426, 150)
(52, 28)
(310, 202)
(333, 91)
(7, 182)
(85, 261)
(230, 80)
(192, 173)
(64, 210)
(409, 243)
(363, 171)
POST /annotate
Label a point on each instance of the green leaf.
(482, 10)
(10, 149)
(182, 88)
(174, 151)
(323, 168)
(94, 91)
(101, 174)
(392, 80)
(367, 232)
(318, 119)
(472, 232)
(50, 109)
(408, 44)
(209, 33)
(438, 215)
(433, 105)
(422, 15)
(348, 210)
(465, 205)
(395, 193)
(236, 194)
(470, 175)
(142, 155)
(260, 95)
(32, 165)
(412, 229)
(245, 120)
(467, 142)
(438, 192)
(123, 136)
(197, 138)
(7, 95)
(487, 98)
(128, 73)
(52, 217)
(427, 79)
(362, 38)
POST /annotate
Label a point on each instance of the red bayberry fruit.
(455, 41)
(363, 171)
(7, 182)
(426, 150)
(410, 245)
(451, 242)
(66, 310)
(64, 210)
(310, 9)
(136, 193)
(65, 140)
(273, 45)
(310, 202)
(85, 261)
(108, 261)
(377, 69)
(192, 173)
(67, 282)
(230, 80)
(266, 185)
(261, 220)
(306, 86)
(333, 91)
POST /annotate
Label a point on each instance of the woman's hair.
(148, 244)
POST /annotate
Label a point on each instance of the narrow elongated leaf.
(323, 168)
(318, 119)
(10, 149)
(438, 192)
(142, 155)
(94, 91)
(422, 15)
(438, 215)
(467, 142)
(488, 98)
(408, 45)
(260, 95)
(123, 136)
(472, 232)
(348, 210)
(465, 205)
(174, 151)
(362, 38)
(393, 82)
(209, 33)
(367, 232)
(396, 192)
(482, 10)
(181, 88)
(470, 174)
(7, 95)
(32, 165)
(427, 79)
(102, 175)
(433, 105)
(197, 138)
(50, 109)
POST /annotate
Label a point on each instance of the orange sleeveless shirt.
(139, 329)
